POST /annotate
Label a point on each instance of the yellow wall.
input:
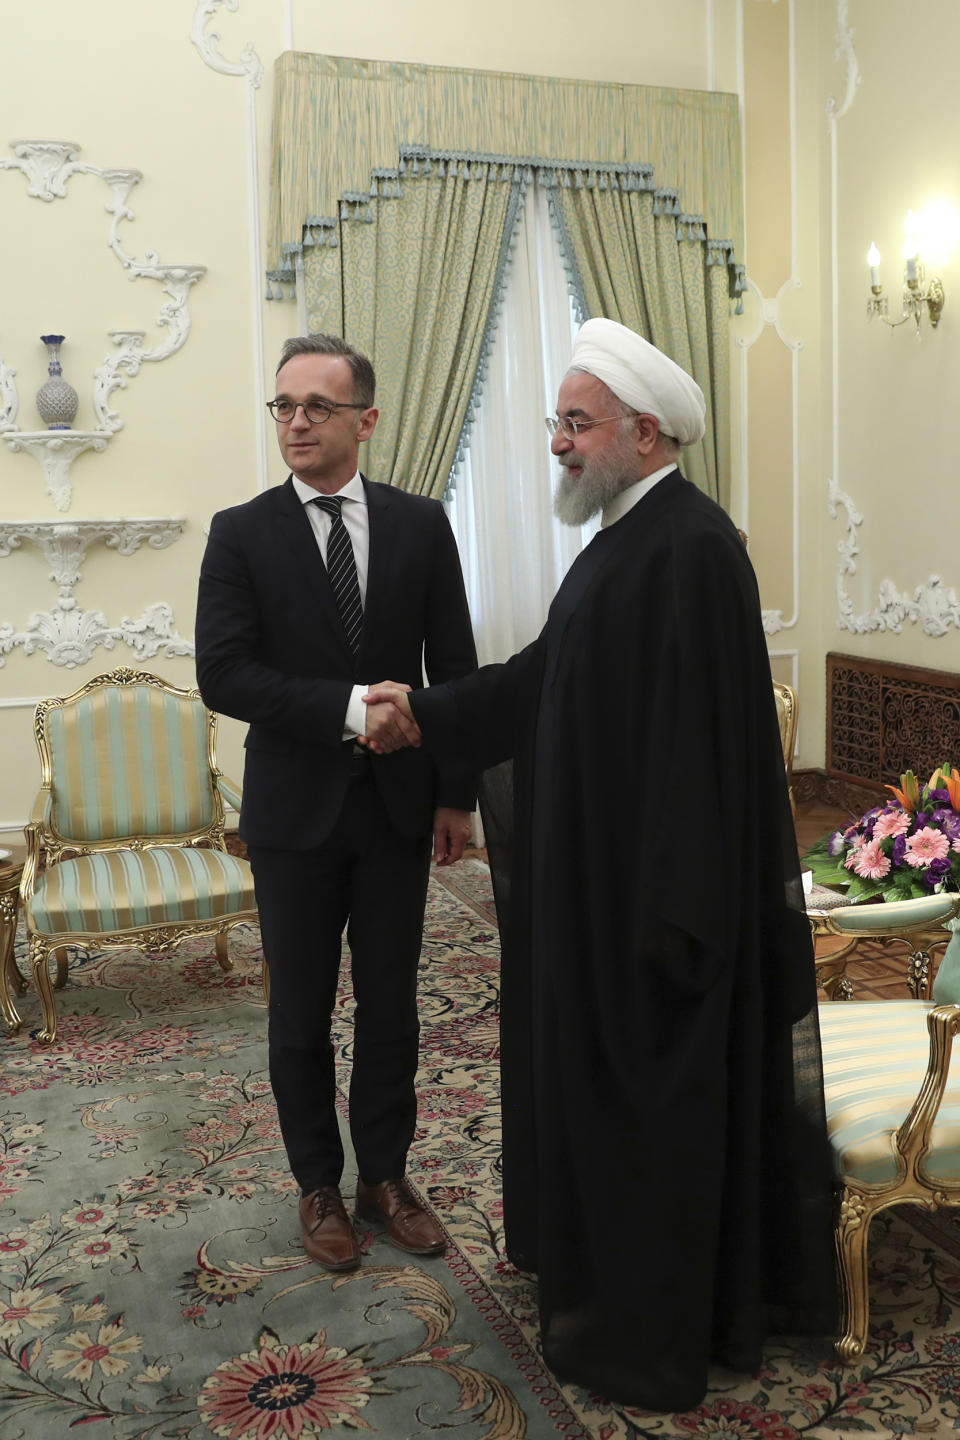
(128, 86)
(870, 132)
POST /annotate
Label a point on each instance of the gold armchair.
(786, 701)
(893, 1117)
(125, 846)
(917, 923)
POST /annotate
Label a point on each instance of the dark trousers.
(372, 880)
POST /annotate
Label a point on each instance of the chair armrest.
(42, 808)
(36, 828)
(897, 917)
(913, 1137)
(230, 791)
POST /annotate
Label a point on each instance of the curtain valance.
(341, 125)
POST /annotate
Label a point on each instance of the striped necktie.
(342, 570)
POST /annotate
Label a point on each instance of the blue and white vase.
(56, 400)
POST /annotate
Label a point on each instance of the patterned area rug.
(151, 1281)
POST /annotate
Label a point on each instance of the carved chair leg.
(265, 976)
(41, 976)
(9, 988)
(61, 953)
(837, 987)
(851, 1236)
(223, 956)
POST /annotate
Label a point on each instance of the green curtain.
(410, 278)
(338, 120)
(400, 213)
(634, 257)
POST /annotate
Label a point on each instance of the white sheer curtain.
(514, 552)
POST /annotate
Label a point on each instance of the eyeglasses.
(571, 428)
(318, 412)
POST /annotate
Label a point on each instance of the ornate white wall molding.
(835, 111)
(771, 312)
(208, 42)
(69, 635)
(844, 51)
(934, 606)
(48, 165)
(250, 68)
(9, 399)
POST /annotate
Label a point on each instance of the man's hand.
(452, 830)
(390, 722)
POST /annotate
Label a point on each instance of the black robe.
(666, 1172)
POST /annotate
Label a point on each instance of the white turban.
(642, 377)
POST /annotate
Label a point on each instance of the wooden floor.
(877, 972)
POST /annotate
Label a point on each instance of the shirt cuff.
(355, 722)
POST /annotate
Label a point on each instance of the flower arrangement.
(908, 847)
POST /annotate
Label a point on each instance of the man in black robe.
(666, 1172)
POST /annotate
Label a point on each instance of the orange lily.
(909, 796)
(946, 778)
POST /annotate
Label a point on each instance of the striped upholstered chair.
(893, 1117)
(125, 845)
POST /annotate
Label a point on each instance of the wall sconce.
(917, 293)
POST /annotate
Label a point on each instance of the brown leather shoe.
(410, 1225)
(328, 1236)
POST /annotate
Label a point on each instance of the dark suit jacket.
(271, 650)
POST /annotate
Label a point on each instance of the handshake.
(390, 722)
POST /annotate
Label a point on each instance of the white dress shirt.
(353, 512)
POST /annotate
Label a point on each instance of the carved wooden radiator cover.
(883, 719)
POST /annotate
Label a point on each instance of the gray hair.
(364, 380)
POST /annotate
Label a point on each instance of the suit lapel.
(381, 559)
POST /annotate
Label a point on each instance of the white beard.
(579, 498)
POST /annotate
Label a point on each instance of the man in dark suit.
(305, 592)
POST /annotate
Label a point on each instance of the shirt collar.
(620, 504)
(353, 490)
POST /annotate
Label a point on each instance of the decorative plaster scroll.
(69, 635)
(9, 399)
(48, 165)
(934, 606)
(844, 51)
(249, 64)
